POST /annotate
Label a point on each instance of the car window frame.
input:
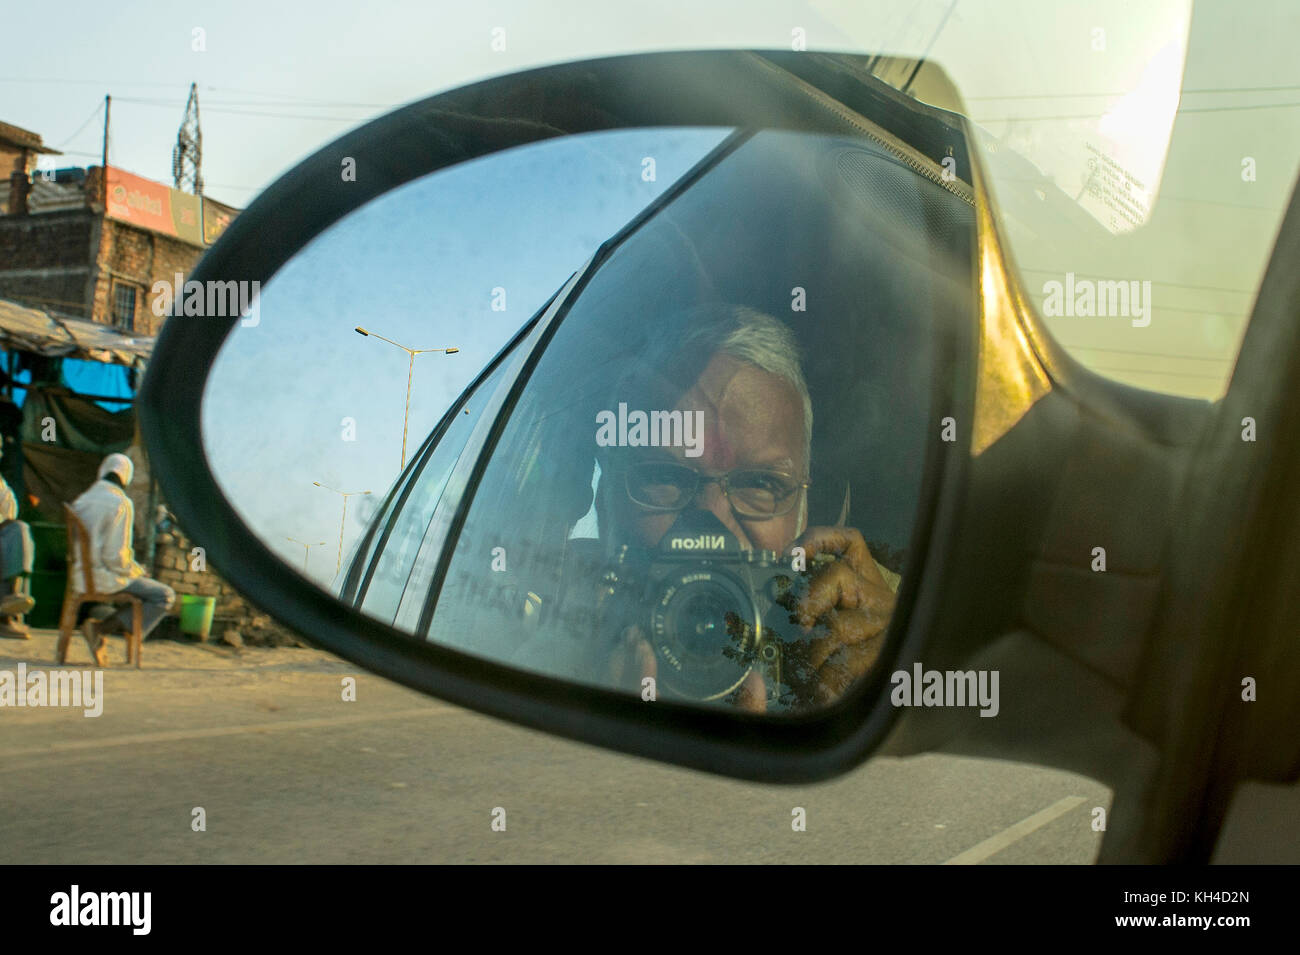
(476, 465)
(411, 606)
(366, 559)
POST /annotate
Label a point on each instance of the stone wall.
(177, 567)
(139, 258)
(70, 261)
(45, 260)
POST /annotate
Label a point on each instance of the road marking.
(995, 844)
(172, 736)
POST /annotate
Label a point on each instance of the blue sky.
(301, 397)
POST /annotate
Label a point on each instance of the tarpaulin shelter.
(65, 432)
(54, 336)
(67, 391)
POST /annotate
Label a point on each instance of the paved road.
(286, 771)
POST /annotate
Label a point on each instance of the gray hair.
(754, 337)
(682, 346)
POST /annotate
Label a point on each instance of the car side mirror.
(634, 398)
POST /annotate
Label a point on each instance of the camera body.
(710, 609)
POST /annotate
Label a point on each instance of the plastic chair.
(79, 542)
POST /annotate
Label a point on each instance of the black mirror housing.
(814, 93)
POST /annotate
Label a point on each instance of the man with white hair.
(739, 370)
(109, 518)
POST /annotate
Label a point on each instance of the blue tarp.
(88, 378)
(98, 378)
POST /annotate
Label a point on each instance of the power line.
(1164, 310)
(285, 96)
(232, 185)
(1200, 92)
(1044, 180)
(242, 112)
(81, 127)
(1149, 371)
(62, 80)
(288, 98)
(1228, 109)
(135, 101)
(1142, 354)
(306, 103)
(1180, 112)
(268, 103)
(1206, 288)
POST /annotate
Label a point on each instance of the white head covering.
(120, 465)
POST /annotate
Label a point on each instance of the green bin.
(196, 615)
(49, 572)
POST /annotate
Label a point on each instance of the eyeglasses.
(751, 492)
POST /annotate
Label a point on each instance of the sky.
(278, 81)
(301, 397)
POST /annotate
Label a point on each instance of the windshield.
(1141, 156)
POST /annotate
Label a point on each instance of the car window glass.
(397, 547)
(793, 246)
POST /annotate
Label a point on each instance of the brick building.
(74, 245)
(19, 151)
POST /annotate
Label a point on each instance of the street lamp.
(410, 371)
(345, 494)
(306, 550)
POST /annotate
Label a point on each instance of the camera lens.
(702, 621)
(703, 626)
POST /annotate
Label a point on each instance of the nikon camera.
(709, 609)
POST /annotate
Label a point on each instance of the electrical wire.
(1149, 371)
(98, 109)
(1201, 92)
(1181, 111)
(1074, 346)
(1205, 288)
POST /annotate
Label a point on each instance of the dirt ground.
(192, 666)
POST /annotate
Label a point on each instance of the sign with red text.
(153, 206)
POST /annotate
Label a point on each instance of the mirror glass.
(647, 409)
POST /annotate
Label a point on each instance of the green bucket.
(196, 614)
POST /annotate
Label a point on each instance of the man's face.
(752, 419)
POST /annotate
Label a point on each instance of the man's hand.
(849, 603)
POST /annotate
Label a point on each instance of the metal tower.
(187, 156)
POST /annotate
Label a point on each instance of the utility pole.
(108, 105)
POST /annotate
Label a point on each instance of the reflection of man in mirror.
(736, 372)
